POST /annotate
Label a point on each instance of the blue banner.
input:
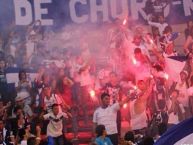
(57, 13)
(180, 134)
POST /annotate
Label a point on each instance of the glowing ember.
(92, 93)
(124, 22)
(151, 41)
(134, 61)
(166, 76)
(125, 106)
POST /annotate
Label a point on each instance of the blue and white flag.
(180, 134)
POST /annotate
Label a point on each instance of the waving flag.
(180, 134)
(169, 68)
(174, 36)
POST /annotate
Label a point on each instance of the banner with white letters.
(58, 13)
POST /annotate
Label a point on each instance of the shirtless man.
(138, 107)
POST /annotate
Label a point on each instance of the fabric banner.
(181, 134)
(12, 75)
(58, 13)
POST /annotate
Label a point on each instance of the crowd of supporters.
(144, 66)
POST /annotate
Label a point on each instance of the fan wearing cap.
(21, 101)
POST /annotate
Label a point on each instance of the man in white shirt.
(107, 115)
(55, 126)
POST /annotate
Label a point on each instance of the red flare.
(125, 106)
(124, 21)
(92, 93)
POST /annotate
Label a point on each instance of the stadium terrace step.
(81, 138)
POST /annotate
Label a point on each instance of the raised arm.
(125, 100)
(149, 90)
(189, 40)
(153, 24)
(38, 135)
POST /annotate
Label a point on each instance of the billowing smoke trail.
(75, 38)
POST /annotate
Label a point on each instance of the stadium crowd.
(145, 73)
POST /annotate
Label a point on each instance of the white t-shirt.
(24, 142)
(27, 110)
(55, 99)
(107, 117)
(49, 102)
(55, 126)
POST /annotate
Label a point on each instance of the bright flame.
(92, 93)
(125, 106)
(134, 61)
(166, 76)
(124, 21)
(151, 41)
